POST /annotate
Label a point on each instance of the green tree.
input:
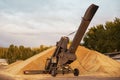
(17, 53)
(21, 50)
(104, 38)
(14, 53)
(2, 52)
(10, 55)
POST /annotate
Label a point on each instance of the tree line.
(14, 53)
(104, 38)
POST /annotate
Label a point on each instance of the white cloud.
(36, 22)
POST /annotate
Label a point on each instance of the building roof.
(116, 56)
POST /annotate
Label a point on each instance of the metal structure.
(63, 56)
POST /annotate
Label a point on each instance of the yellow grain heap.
(89, 62)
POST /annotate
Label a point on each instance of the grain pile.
(93, 62)
(34, 63)
(88, 62)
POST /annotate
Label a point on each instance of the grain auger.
(63, 56)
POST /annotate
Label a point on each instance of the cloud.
(31, 39)
(23, 22)
(36, 22)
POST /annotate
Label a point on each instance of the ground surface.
(5, 77)
(84, 78)
(59, 77)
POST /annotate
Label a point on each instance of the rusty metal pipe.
(82, 28)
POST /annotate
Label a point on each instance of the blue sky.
(35, 22)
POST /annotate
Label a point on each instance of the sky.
(42, 22)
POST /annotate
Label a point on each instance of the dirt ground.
(4, 76)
